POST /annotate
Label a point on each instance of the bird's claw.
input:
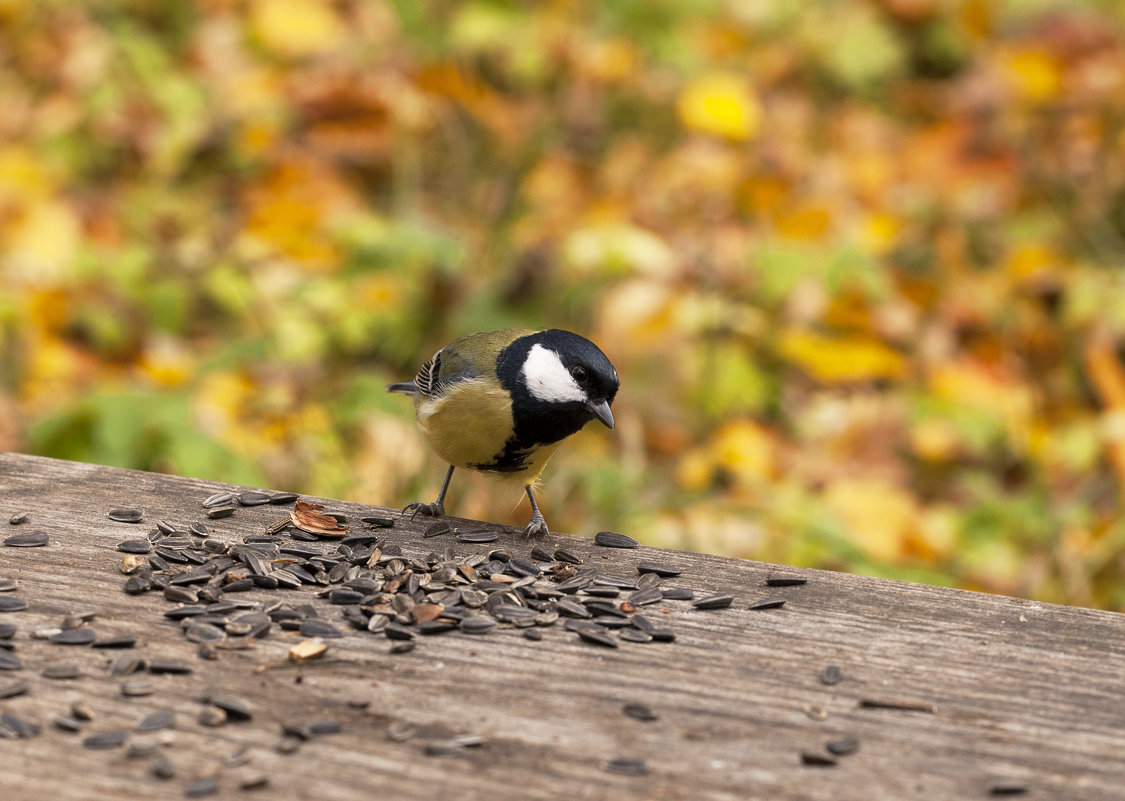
(536, 527)
(426, 509)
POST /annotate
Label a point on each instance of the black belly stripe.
(513, 459)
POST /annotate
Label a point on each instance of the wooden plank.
(1020, 691)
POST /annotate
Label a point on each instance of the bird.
(502, 402)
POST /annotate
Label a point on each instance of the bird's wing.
(468, 357)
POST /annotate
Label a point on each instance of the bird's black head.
(559, 381)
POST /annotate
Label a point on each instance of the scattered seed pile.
(380, 590)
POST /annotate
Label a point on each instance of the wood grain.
(1021, 691)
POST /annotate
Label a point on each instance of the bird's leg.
(435, 509)
(537, 526)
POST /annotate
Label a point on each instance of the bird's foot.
(416, 508)
(536, 527)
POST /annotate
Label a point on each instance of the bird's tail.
(405, 387)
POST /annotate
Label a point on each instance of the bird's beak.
(601, 411)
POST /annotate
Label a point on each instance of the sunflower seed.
(635, 635)
(816, 760)
(403, 647)
(478, 625)
(569, 557)
(155, 721)
(126, 515)
(204, 786)
(1007, 788)
(9, 604)
(17, 726)
(119, 641)
(32, 539)
(662, 570)
(67, 723)
(379, 522)
(436, 529)
(236, 708)
(74, 637)
(218, 499)
(13, 689)
(139, 545)
(611, 539)
(678, 594)
(532, 634)
(714, 602)
(136, 688)
(113, 738)
(831, 675)
(61, 671)
(7, 631)
(522, 567)
(219, 512)
(173, 666)
(773, 580)
(163, 769)
(646, 596)
(641, 712)
(767, 603)
(627, 766)
(478, 536)
(319, 628)
(142, 748)
(842, 747)
(17, 518)
(125, 664)
(598, 636)
(179, 594)
(8, 584)
(253, 498)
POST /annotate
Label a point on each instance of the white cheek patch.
(548, 379)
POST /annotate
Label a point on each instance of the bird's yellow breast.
(469, 424)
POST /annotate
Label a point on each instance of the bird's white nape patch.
(548, 379)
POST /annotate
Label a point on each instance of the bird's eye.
(579, 374)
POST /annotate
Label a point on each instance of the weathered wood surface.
(1021, 691)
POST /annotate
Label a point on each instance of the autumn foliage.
(859, 264)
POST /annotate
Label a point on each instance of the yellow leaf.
(744, 450)
(695, 470)
(618, 247)
(880, 232)
(975, 386)
(1034, 73)
(810, 222)
(42, 241)
(881, 518)
(296, 27)
(167, 361)
(838, 360)
(1031, 261)
(720, 104)
(935, 439)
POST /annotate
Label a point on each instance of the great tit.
(503, 401)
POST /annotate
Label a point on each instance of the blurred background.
(858, 262)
